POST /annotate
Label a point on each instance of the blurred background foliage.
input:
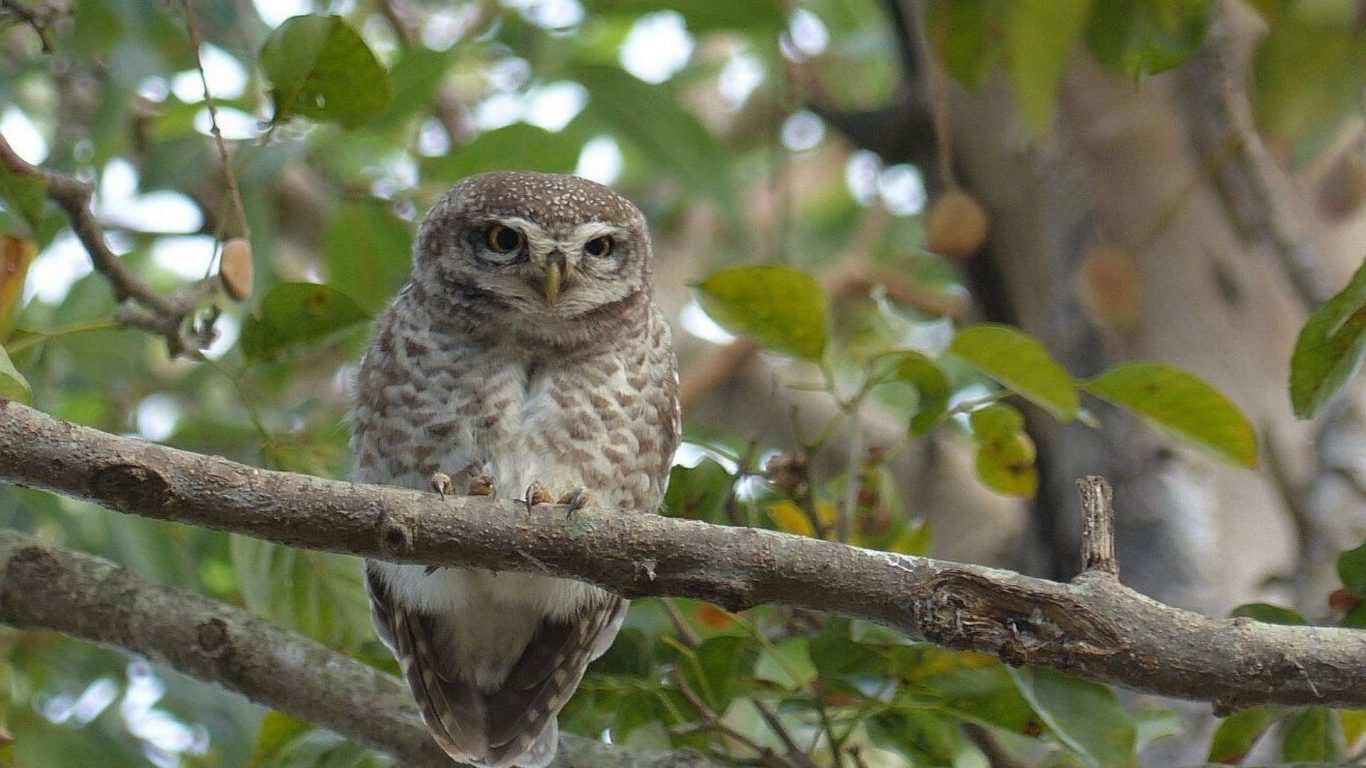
(346, 120)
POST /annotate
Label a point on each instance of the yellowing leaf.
(1020, 363)
(16, 254)
(791, 518)
(1183, 405)
(781, 308)
(1005, 453)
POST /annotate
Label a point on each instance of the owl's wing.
(524, 709)
(454, 710)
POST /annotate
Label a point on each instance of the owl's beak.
(554, 276)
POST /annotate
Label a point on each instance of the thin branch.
(1093, 626)
(140, 305)
(96, 600)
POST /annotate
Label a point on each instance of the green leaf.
(1021, 364)
(697, 493)
(321, 68)
(24, 195)
(514, 147)
(1144, 37)
(319, 594)
(293, 314)
(1314, 736)
(1310, 71)
(1236, 735)
(1085, 716)
(277, 731)
(781, 308)
(788, 664)
(1155, 724)
(369, 253)
(1005, 453)
(967, 35)
(13, 385)
(1352, 570)
(674, 140)
(1183, 405)
(1040, 38)
(930, 383)
(1268, 614)
(1329, 349)
(719, 669)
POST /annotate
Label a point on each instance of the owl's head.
(535, 248)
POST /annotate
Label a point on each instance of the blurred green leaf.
(720, 668)
(415, 77)
(1005, 453)
(1268, 613)
(1183, 405)
(781, 308)
(319, 594)
(1310, 72)
(24, 196)
(13, 385)
(277, 731)
(1329, 349)
(968, 36)
(514, 147)
(697, 493)
(665, 132)
(1085, 716)
(1352, 570)
(1238, 732)
(930, 383)
(1041, 37)
(788, 664)
(701, 16)
(293, 314)
(1153, 725)
(369, 252)
(321, 68)
(1021, 364)
(1314, 736)
(1139, 38)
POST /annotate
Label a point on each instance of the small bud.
(1108, 285)
(957, 225)
(236, 270)
(441, 483)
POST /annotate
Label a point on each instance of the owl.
(525, 352)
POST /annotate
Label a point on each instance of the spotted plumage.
(524, 349)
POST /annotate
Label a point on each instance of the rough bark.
(1093, 627)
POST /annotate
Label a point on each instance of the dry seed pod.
(957, 226)
(236, 270)
(1108, 286)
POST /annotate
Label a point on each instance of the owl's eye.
(504, 239)
(599, 247)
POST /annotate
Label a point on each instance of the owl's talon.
(536, 494)
(576, 499)
(441, 483)
(480, 485)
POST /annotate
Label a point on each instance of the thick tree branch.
(140, 305)
(1093, 627)
(96, 600)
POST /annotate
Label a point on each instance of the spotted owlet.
(525, 351)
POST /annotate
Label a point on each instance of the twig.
(1093, 627)
(229, 174)
(713, 720)
(140, 305)
(1098, 527)
(794, 752)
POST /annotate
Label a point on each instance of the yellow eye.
(504, 239)
(598, 247)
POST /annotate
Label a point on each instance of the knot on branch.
(130, 487)
(965, 610)
(395, 533)
(212, 637)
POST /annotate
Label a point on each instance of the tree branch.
(1093, 627)
(96, 600)
(140, 305)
